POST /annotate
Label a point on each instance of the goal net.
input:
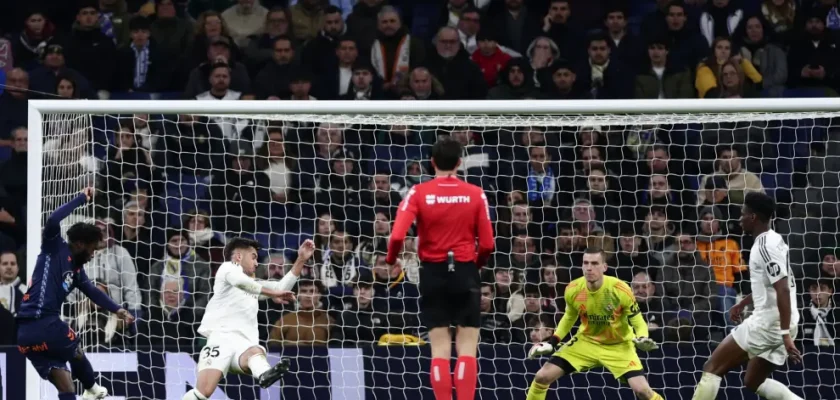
(660, 192)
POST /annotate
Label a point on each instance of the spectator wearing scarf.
(821, 316)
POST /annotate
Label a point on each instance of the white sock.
(775, 390)
(258, 365)
(193, 395)
(708, 387)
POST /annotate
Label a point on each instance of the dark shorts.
(450, 298)
(47, 343)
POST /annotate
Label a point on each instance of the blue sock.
(83, 371)
(67, 396)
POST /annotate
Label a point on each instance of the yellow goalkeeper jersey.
(609, 315)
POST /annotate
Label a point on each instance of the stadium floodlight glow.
(61, 135)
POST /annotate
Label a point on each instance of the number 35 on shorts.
(208, 353)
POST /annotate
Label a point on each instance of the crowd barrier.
(383, 373)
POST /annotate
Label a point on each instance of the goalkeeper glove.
(645, 344)
(540, 349)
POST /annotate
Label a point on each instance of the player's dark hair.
(238, 243)
(84, 233)
(446, 153)
(761, 204)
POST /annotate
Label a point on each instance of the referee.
(452, 216)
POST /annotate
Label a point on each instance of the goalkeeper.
(607, 310)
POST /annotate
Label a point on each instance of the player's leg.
(83, 371)
(63, 382)
(551, 371)
(214, 361)
(727, 356)
(640, 387)
(468, 320)
(623, 362)
(205, 384)
(254, 362)
(440, 373)
(758, 380)
(436, 312)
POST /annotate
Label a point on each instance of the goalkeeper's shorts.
(450, 298)
(580, 355)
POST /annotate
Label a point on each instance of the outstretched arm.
(307, 249)
(237, 278)
(52, 227)
(95, 295)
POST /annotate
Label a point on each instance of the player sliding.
(230, 321)
(43, 338)
(608, 316)
(765, 339)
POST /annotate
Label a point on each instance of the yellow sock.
(656, 396)
(537, 391)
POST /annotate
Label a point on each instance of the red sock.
(441, 379)
(466, 375)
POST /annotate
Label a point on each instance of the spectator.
(300, 85)
(309, 325)
(560, 28)
(625, 46)
(13, 187)
(495, 326)
(220, 80)
(723, 254)
(44, 79)
(11, 287)
(362, 23)
(113, 267)
(688, 284)
(662, 80)
(87, 46)
(732, 84)
(604, 198)
(542, 330)
(336, 77)
(237, 206)
(67, 88)
(172, 33)
(340, 266)
(687, 46)
(140, 65)
(287, 183)
(422, 85)
(524, 255)
(754, 37)
(308, 17)
(821, 317)
(114, 19)
(138, 238)
(395, 52)
(516, 220)
(193, 147)
(720, 19)
(542, 52)
(632, 256)
(37, 33)
(469, 29)
(273, 80)
(375, 242)
(709, 72)
(325, 226)
(659, 193)
(96, 327)
(652, 306)
(218, 52)
(390, 285)
(364, 83)
(127, 162)
(512, 82)
(659, 161)
(208, 244)
(365, 317)
(453, 13)
(563, 84)
(658, 233)
(461, 78)
(490, 58)
(14, 102)
(260, 50)
(569, 246)
(812, 59)
(508, 299)
(340, 190)
(172, 321)
(554, 280)
(244, 19)
(321, 54)
(739, 181)
(601, 77)
(381, 195)
(716, 197)
(183, 266)
(781, 14)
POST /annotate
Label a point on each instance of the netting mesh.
(661, 193)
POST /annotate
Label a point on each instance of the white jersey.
(231, 309)
(770, 262)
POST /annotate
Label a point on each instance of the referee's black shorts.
(450, 298)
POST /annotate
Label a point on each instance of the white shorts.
(222, 352)
(754, 337)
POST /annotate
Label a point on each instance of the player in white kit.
(765, 339)
(230, 321)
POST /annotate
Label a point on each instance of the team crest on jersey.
(68, 281)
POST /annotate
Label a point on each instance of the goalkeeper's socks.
(537, 391)
(656, 396)
(708, 387)
(83, 371)
(67, 396)
(466, 375)
(258, 365)
(193, 395)
(441, 379)
(774, 390)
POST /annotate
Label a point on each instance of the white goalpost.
(630, 176)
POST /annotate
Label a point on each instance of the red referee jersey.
(451, 215)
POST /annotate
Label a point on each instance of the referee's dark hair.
(446, 153)
(238, 243)
(761, 204)
(84, 233)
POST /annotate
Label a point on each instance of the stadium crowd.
(663, 200)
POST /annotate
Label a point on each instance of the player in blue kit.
(43, 337)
